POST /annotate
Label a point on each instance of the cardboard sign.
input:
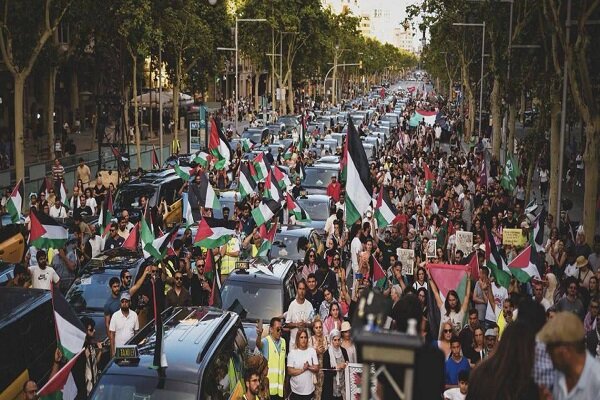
(464, 242)
(513, 237)
(407, 258)
(430, 251)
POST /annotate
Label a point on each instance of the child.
(460, 392)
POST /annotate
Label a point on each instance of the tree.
(20, 46)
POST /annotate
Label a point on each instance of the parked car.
(256, 135)
(317, 206)
(285, 244)
(317, 177)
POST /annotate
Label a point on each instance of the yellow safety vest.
(254, 250)
(228, 262)
(175, 146)
(276, 364)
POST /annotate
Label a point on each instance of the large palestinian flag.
(211, 237)
(358, 180)
(218, 146)
(208, 197)
(296, 210)
(272, 189)
(429, 117)
(522, 266)
(449, 277)
(247, 185)
(261, 167)
(495, 262)
(46, 232)
(385, 212)
(266, 210)
(156, 247)
(15, 202)
(268, 236)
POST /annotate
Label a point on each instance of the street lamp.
(482, 25)
(236, 49)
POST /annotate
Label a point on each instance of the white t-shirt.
(454, 394)
(298, 313)
(355, 248)
(455, 318)
(123, 326)
(302, 384)
(41, 278)
(500, 293)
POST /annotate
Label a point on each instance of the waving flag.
(358, 180)
(211, 237)
(522, 267)
(266, 210)
(183, 173)
(218, 146)
(118, 155)
(385, 212)
(272, 189)
(247, 185)
(156, 248)
(208, 198)
(283, 181)
(106, 213)
(132, 240)
(288, 152)
(187, 210)
(495, 262)
(15, 202)
(201, 158)
(211, 275)
(449, 277)
(510, 174)
(537, 236)
(268, 236)
(46, 232)
(261, 167)
(299, 214)
(155, 161)
(428, 178)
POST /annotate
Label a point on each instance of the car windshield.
(261, 302)
(129, 196)
(288, 121)
(286, 246)
(91, 292)
(127, 387)
(369, 151)
(318, 177)
(254, 136)
(318, 210)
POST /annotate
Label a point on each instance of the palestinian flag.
(201, 158)
(283, 180)
(118, 155)
(358, 198)
(449, 277)
(385, 212)
(106, 213)
(495, 262)
(131, 242)
(474, 265)
(46, 232)
(260, 167)
(247, 185)
(522, 267)
(208, 197)
(15, 202)
(156, 247)
(378, 272)
(211, 274)
(62, 385)
(483, 174)
(218, 146)
(272, 189)
(63, 194)
(510, 174)
(246, 145)
(155, 161)
(302, 135)
(211, 237)
(266, 210)
(187, 210)
(183, 173)
(69, 330)
(268, 237)
(428, 178)
(537, 236)
(296, 210)
(45, 187)
(287, 155)
(344, 160)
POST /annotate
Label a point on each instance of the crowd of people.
(541, 334)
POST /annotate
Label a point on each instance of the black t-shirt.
(99, 193)
(387, 249)
(315, 299)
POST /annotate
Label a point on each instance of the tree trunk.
(19, 145)
(126, 112)
(256, 97)
(50, 86)
(555, 105)
(496, 115)
(176, 90)
(290, 92)
(530, 171)
(590, 158)
(468, 92)
(522, 106)
(136, 117)
(74, 96)
(282, 102)
(512, 126)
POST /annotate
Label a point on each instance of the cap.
(565, 327)
(345, 326)
(126, 296)
(581, 261)
(491, 332)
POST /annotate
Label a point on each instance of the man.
(325, 278)
(96, 241)
(273, 349)
(455, 364)
(125, 217)
(584, 272)
(252, 383)
(88, 364)
(460, 392)
(299, 314)
(491, 339)
(466, 334)
(356, 247)
(571, 302)
(58, 174)
(199, 285)
(122, 229)
(334, 189)
(297, 189)
(65, 264)
(538, 294)
(58, 211)
(194, 195)
(113, 303)
(123, 324)
(42, 275)
(314, 294)
(74, 201)
(230, 253)
(114, 240)
(83, 172)
(578, 375)
(19, 277)
(178, 295)
(341, 204)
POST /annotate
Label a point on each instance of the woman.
(347, 342)
(333, 320)
(339, 236)
(340, 272)
(593, 290)
(310, 264)
(331, 251)
(329, 299)
(496, 230)
(451, 310)
(506, 374)
(422, 297)
(476, 352)
(559, 258)
(90, 201)
(443, 343)
(81, 185)
(302, 367)
(99, 190)
(318, 341)
(551, 291)
(335, 361)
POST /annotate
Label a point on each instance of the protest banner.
(464, 242)
(513, 237)
(407, 258)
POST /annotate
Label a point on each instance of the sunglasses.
(178, 278)
(127, 277)
(447, 330)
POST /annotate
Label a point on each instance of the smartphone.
(358, 276)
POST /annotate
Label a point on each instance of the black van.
(204, 348)
(27, 338)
